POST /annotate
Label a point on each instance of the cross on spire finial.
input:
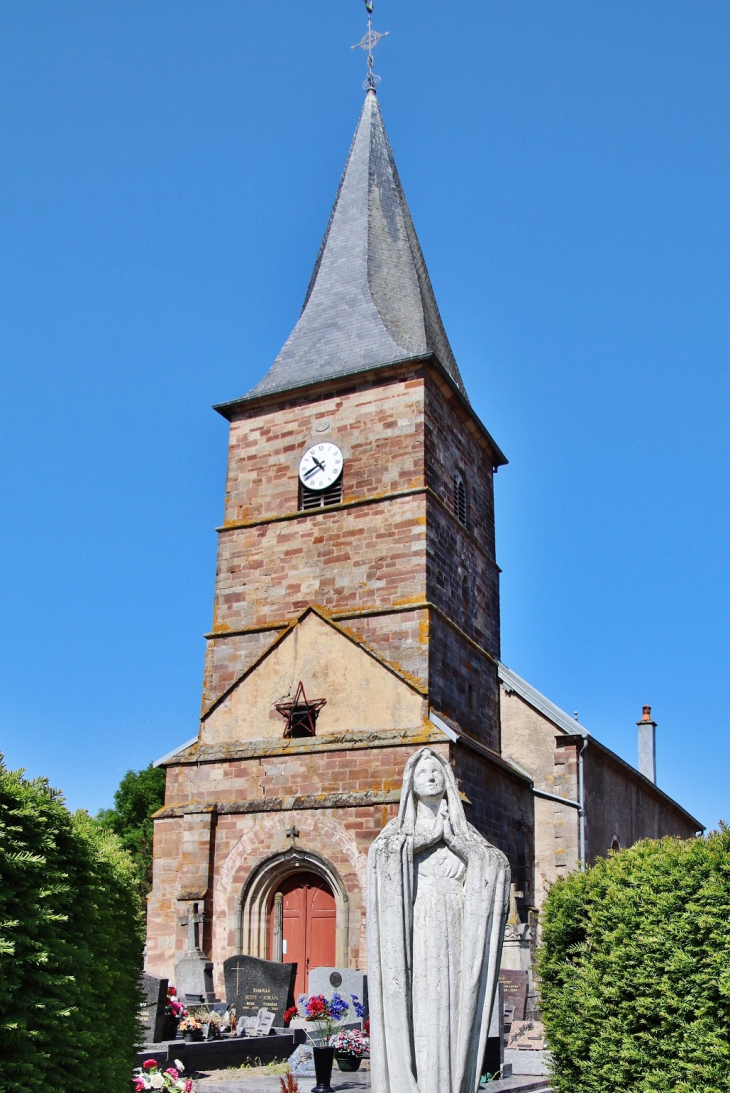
(369, 42)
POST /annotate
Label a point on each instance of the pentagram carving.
(300, 714)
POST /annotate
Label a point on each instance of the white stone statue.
(438, 895)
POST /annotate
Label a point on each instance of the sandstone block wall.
(369, 563)
(201, 833)
(395, 568)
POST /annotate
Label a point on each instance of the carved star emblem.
(300, 714)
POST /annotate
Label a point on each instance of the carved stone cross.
(194, 921)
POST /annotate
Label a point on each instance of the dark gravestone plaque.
(516, 985)
(152, 1010)
(253, 984)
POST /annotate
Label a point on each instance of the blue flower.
(359, 1008)
(338, 1007)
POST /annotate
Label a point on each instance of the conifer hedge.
(71, 939)
(634, 970)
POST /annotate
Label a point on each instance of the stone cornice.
(363, 613)
(305, 803)
(308, 514)
(428, 733)
(277, 746)
(376, 499)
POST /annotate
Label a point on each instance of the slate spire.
(370, 300)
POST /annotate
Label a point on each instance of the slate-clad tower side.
(384, 603)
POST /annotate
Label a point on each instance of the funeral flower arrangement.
(190, 1023)
(149, 1076)
(328, 1013)
(174, 1007)
(350, 1041)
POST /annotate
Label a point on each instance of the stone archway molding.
(254, 901)
(250, 868)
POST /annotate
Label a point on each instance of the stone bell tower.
(356, 574)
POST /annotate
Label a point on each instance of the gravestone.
(253, 984)
(343, 981)
(260, 1025)
(152, 1010)
(516, 987)
(194, 978)
(494, 1064)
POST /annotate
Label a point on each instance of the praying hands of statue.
(431, 826)
(456, 843)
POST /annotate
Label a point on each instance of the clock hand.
(311, 471)
(320, 465)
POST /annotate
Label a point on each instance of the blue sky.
(166, 174)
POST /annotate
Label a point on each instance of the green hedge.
(634, 970)
(71, 939)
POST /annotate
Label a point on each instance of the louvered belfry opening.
(460, 499)
(317, 499)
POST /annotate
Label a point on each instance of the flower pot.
(348, 1062)
(323, 1059)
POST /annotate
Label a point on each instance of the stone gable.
(361, 693)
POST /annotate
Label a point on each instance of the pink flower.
(149, 1064)
(188, 1086)
(138, 1086)
(173, 1073)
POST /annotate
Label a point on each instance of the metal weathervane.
(369, 42)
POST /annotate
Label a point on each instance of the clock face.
(320, 466)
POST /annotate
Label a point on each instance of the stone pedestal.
(194, 978)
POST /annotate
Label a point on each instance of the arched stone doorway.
(303, 925)
(311, 913)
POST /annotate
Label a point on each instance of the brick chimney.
(647, 745)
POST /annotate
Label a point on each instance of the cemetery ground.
(267, 1080)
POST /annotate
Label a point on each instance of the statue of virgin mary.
(438, 895)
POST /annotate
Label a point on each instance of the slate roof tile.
(370, 301)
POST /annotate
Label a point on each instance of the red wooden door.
(309, 914)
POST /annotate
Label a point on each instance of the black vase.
(323, 1059)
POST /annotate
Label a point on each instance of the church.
(356, 618)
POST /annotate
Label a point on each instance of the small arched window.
(615, 842)
(459, 498)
